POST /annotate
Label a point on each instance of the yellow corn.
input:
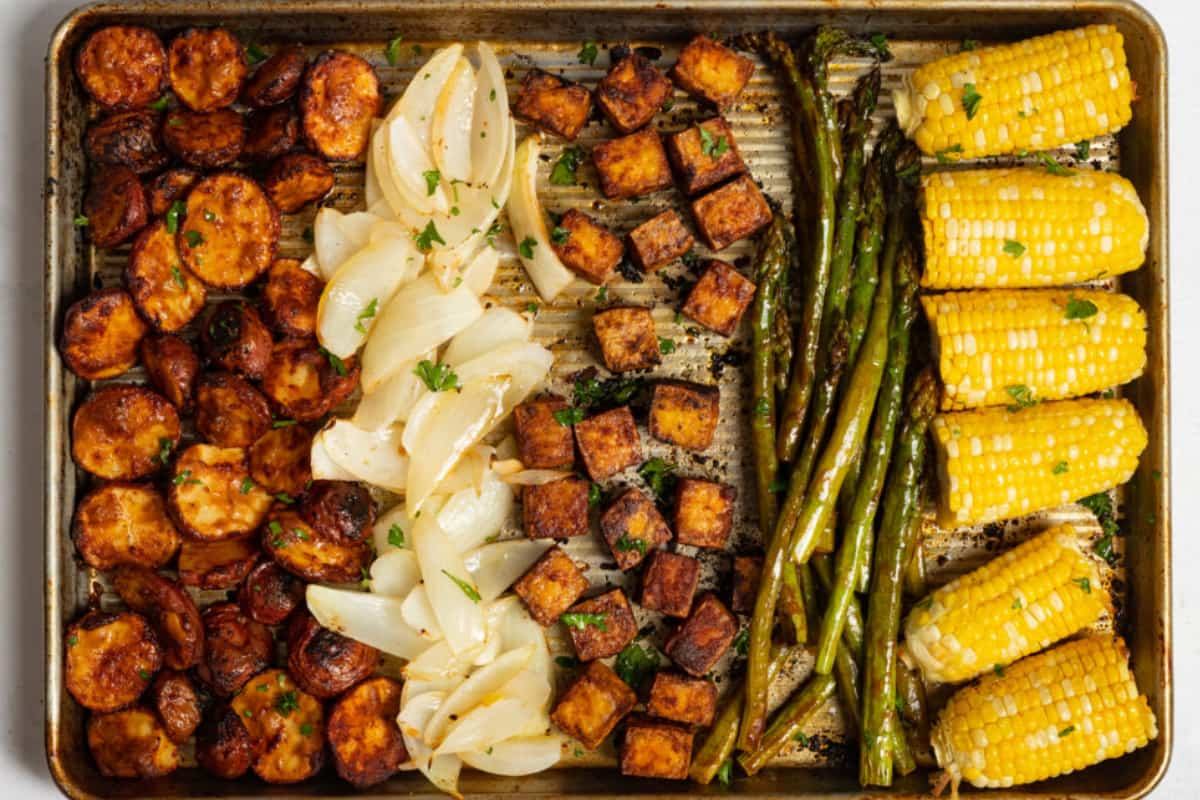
(1050, 714)
(1033, 95)
(1057, 342)
(1024, 601)
(997, 463)
(1022, 227)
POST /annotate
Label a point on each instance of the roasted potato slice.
(339, 510)
(101, 334)
(131, 744)
(323, 662)
(115, 206)
(165, 291)
(231, 231)
(217, 565)
(111, 659)
(279, 460)
(224, 746)
(235, 338)
(297, 179)
(270, 595)
(236, 649)
(122, 66)
(305, 383)
(212, 494)
(124, 432)
(207, 140)
(363, 734)
(171, 365)
(124, 523)
(299, 549)
(276, 79)
(229, 411)
(270, 132)
(287, 723)
(339, 97)
(169, 187)
(129, 139)
(170, 609)
(290, 298)
(206, 67)
(178, 705)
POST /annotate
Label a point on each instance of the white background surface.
(25, 27)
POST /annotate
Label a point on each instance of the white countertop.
(25, 27)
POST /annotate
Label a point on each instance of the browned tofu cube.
(550, 586)
(704, 155)
(659, 240)
(711, 72)
(542, 441)
(655, 749)
(705, 511)
(669, 583)
(632, 93)
(633, 527)
(627, 338)
(586, 247)
(608, 442)
(600, 627)
(698, 644)
(680, 698)
(553, 104)
(732, 212)
(685, 414)
(632, 165)
(719, 298)
(746, 573)
(556, 510)
(593, 705)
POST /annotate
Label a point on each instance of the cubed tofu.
(627, 338)
(602, 626)
(659, 240)
(550, 586)
(593, 705)
(669, 583)
(632, 93)
(704, 513)
(746, 573)
(732, 212)
(556, 510)
(655, 749)
(681, 698)
(704, 155)
(632, 165)
(719, 298)
(711, 72)
(608, 442)
(590, 250)
(685, 414)
(542, 441)
(633, 528)
(553, 104)
(698, 644)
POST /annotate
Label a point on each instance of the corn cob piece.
(1024, 601)
(1059, 343)
(1024, 227)
(1050, 714)
(1032, 95)
(997, 463)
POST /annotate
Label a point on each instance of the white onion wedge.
(548, 274)
(311, 266)
(497, 327)
(530, 688)
(479, 273)
(421, 95)
(362, 285)
(534, 477)
(439, 663)
(517, 756)
(372, 619)
(491, 118)
(484, 725)
(323, 467)
(475, 689)
(381, 533)
(418, 614)
(371, 456)
(337, 236)
(395, 573)
(392, 400)
(408, 162)
(442, 771)
(450, 134)
(469, 473)
(458, 614)
(496, 566)
(372, 193)
(469, 518)
(527, 364)
(518, 629)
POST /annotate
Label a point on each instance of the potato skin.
(231, 231)
(169, 186)
(211, 496)
(128, 139)
(167, 294)
(276, 79)
(122, 66)
(115, 206)
(111, 659)
(169, 609)
(223, 745)
(302, 382)
(270, 595)
(237, 648)
(287, 725)
(229, 411)
(178, 705)
(206, 68)
(205, 140)
(171, 365)
(290, 299)
(124, 523)
(363, 735)
(124, 432)
(270, 132)
(339, 97)
(217, 565)
(131, 744)
(235, 339)
(339, 510)
(297, 179)
(101, 334)
(323, 662)
(279, 460)
(299, 549)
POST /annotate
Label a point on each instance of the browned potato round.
(290, 298)
(166, 188)
(270, 595)
(129, 139)
(325, 663)
(124, 433)
(101, 334)
(166, 292)
(177, 703)
(231, 231)
(294, 378)
(287, 722)
(297, 179)
(111, 659)
(206, 68)
(236, 649)
(124, 523)
(217, 565)
(209, 140)
(339, 510)
(170, 609)
(229, 411)
(270, 132)
(338, 99)
(300, 550)
(131, 744)
(122, 66)
(276, 79)
(363, 734)
(279, 460)
(171, 365)
(236, 339)
(223, 745)
(212, 494)
(115, 206)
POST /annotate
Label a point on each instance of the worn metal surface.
(549, 35)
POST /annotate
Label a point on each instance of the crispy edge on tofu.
(556, 510)
(632, 92)
(712, 72)
(732, 212)
(608, 442)
(542, 441)
(632, 165)
(704, 513)
(633, 518)
(659, 240)
(719, 298)
(593, 705)
(747, 570)
(617, 629)
(553, 104)
(655, 749)
(550, 586)
(698, 644)
(682, 698)
(590, 250)
(669, 583)
(627, 338)
(698, 170)
(685, 414)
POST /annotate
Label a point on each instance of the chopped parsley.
(594, 495)
(177, 276)
(432, 179)
(741, 642)
(1022, 397)
(580, 620)
(193, 238)
(467, 589)
(492, 233)
(247, 484)
(1060, 468)
(366, 314)
(943, 156)
(396, 536)
(338, 365)
(1017, 604)
(602, 294)
(563, 173)
(525, 248)
(531, 308)
(587, 53)
(1078, 308)
(164, 449)
(1052, 166)
(161, 103)
(998, 669)
(971, 100)
(559, 235)
(880, 43)
(438, 377)
(762, 408)
(255, 54)
(908, 173)
(177, 211)
(634, 664)
(392, 51)
(275, 527)
(1084, 584)
(300, 534)
(143, 674)
(567, 662)
(306, 729)
(625, 544)
(802, 738)
(286, 703)
(426, 238)
(713, 148)
(568, 416)
(286, 499)
(282, 423)
(1083, 150)
(1067, 731)
(209, 216)
(73, 640)
(1014, 248)
(81, 221)
(658, 474)
(666, 346)
(725, 772)
(968, 45)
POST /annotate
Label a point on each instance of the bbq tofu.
(655, 749)
(586, 247)
(704, 155)
(633, 528)
(550, 586)
(659, 240)
(685, 414)
(698, 644)
(632, 93)
(602, 626)
(732, 212)
(556, 510)
(552, 104)
(542, 441)
(747, 570)
(608, 442)
(632, 165)
(593, 705)
(711, 72)
(704, 513)
(719, 298)
(669, 583)
(680, 698)
(627, 338)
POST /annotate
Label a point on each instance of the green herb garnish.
(286, 703)
(559, 235)
(438, 377)
(587, 53)
(658, 474)
(580, 620)
(392, 51)
(396, 536)
(525, 248)
(971, 100)
(432, 179)
(563, 173)
(176, 212)
(634, 664)
(255, 54)
(426, 238)
(366, 314)
(1014, 248)
(467, 589)
(666, 346)
(1080, 309)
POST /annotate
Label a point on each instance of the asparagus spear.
(870, 239)
(781, 343)
(789, 721)
(914, 711)
(916, 584)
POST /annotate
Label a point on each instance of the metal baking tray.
(548, 34)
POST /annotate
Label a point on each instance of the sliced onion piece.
(518, 629)
(372, 619)
(395, 573)
(442, 771)
(421, 95)
(448, 584)
(450, 140)
(311, 266)
(517, 756)
(533, 477)
(481, 271)
(337, 236)
(497, 327)
(531, 688)
(392, 400)
(528, 222)
(475, 689)
(408, 162)
(526, 364)
(496, 566)
(485, 725)
(371, 456)
(372, 193)
(469, 518)
(491, 118)
(469, 473)
(418, 614)
(324, 468)
(440, 663)
(381, 533)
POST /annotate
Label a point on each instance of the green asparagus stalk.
(865, 275)
(789, 721)
(782, 343)
(916, 582)
(794, 609)
(902, 756)
(914, 712)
